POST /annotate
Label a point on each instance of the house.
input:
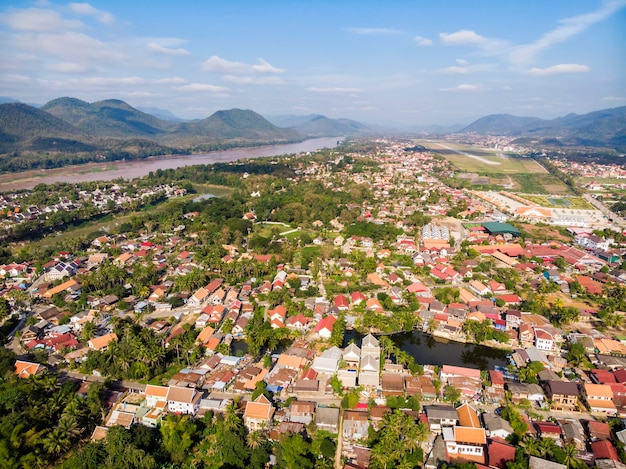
(369, 369)
(479, 288)
(68, 286)
(537, 463)
(352, 356)
(102, 343)
(465, 444)
(495, 392)
(198, 298)
(24, 369)
(183, 400)
(548, 430)
(467, 380)
(604, 449)
(298, 322)
(258, 414)
(324, 328)
(500, 453)
(302, 412)
(496, 426)
(573, 433)
(355, 425)
(240, 326)
(599, 398)
(156, 394)
(563, 394)
(327, 418)
(62, 269)
(544, 341)
(341, 303)
(519, 391)
(598, 430)
(440, 416)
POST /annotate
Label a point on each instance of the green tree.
(451, 394)
(177, 434)
(295, 452)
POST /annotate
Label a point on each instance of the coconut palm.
(254, 439)
(530, 445)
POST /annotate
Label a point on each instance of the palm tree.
(547, 447)
(570, 454)
(232, 421)
(56, 442)
(254, 439)
(89, 330)
(530, 445)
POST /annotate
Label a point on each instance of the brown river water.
(137, 168)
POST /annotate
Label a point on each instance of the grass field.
(559, 202)
(514, 173)
(265, 229)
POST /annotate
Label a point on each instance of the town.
(280, 314)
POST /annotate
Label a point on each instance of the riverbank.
(130, 169)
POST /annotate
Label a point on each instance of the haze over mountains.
(605, 128)
(75, 131)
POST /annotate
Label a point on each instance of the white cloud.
(423, 41)
(466, 37)
(218, 64)
(614, 98)
(103, 17)
(314, 89)
(247, 80)
(374, 31)
(169, 81)
(154, 47)
(112, 81)
(265, 67)
(461, 38)
(558, 69)
(37, 19)
(466, 69)
(202, 87)
(68, 67)
(70, 46)
(462, 88)
(461, 61)
(567, 28)
(456, 70)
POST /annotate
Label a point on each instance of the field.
(508, 171)
(543, 232)
(559, 202)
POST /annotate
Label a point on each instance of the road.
(100, 379)
(600, 206)
(338, 454)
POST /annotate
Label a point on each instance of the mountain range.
(604, 129)
(69, 131)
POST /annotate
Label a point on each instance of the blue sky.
(394, 62)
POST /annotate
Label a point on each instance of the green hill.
(109, 118)
(22, 121)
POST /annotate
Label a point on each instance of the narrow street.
(339, 441)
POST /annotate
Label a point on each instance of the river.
(130, 169)
(428, 350)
